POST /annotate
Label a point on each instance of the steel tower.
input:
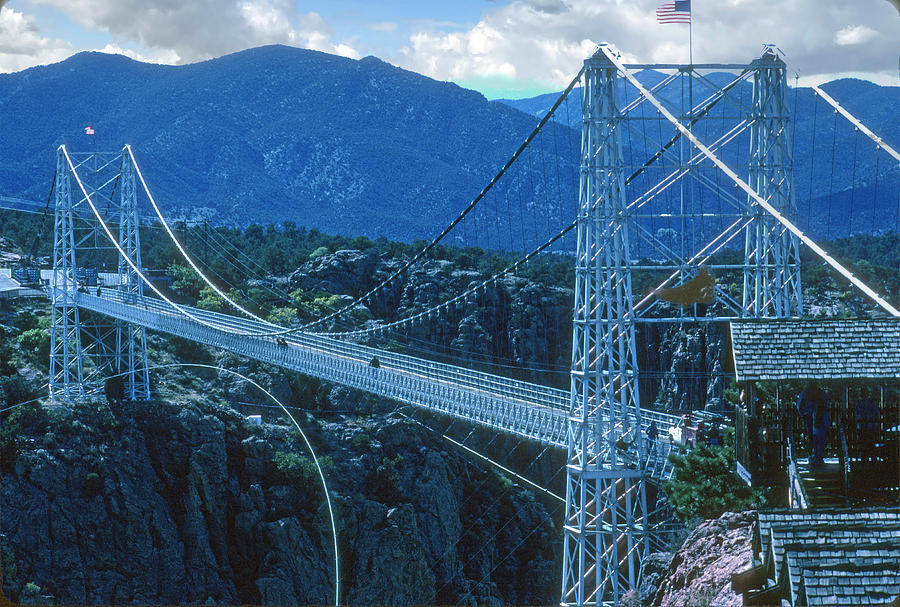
(772, 252)
(83, 348)
(66, 370)
(604, 535)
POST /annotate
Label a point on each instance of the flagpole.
(691, 37)
(691, 63)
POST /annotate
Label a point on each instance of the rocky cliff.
(183, 501)
(516, 326)
(700, 572)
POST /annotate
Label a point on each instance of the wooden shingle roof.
(850, 519)
(833, 556)
(834, 569)
(825, 532)
(785, 349)
(868, 583)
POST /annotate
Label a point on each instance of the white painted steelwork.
(116, 349)
(771, 251)
(605, 526)
(522, 408)
(855, 121)
(859, 284)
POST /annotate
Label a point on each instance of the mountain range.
(361, 147)
(836, 167)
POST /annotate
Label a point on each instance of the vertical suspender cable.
(875, 193)
(809, 198)
(852, 184)
(831, 178)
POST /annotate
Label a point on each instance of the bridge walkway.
(522, 408)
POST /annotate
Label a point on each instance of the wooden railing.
(844, 459)
(796, 491)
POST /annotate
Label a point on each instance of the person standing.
(821, 421)
(806, 406)
(652, 433)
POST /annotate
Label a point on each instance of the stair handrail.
(797, 496)
(844, 459)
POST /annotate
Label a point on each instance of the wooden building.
(852, 362)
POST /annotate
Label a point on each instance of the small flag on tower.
(88, 130)
(678, 11)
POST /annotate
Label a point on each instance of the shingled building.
(839, 543)
(824, 557)
(773, 360)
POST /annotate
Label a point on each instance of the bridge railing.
(324, 360)
(511, 388)
(537, 412)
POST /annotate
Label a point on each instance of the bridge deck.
(526, 409)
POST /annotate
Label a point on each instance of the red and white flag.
(678, 11)
(88, 130)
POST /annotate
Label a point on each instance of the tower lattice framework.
(606, 525)
(604, 535)
(772, 253)
(84, 348)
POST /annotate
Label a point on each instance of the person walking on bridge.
(652, 433)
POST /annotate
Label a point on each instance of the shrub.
(296, 468)
(282, 316)
(35, 345)
(704, 483)
(31, 591)
(362, 441)
(384, 481)
(15, 389)
(93, 484)
(209, 300)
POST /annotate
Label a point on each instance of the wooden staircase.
(823, 483)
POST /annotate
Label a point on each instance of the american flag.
(88, 130)
(678, 11)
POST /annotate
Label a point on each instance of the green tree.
(704, 483)
(184, 280)
(35, 345)
(282, 316)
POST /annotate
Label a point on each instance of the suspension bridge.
(661, 194)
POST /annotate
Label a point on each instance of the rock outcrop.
(172, 503)
(514, 321)
(700, 572)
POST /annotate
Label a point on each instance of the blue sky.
(504, 48)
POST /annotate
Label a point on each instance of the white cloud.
(538, 42)
(854, 34)
(547, 40)
(22, 46)
(202, 29)
(166, 57)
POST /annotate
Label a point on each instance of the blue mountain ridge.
(266, 135)
(356, 147)
(836, 169)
